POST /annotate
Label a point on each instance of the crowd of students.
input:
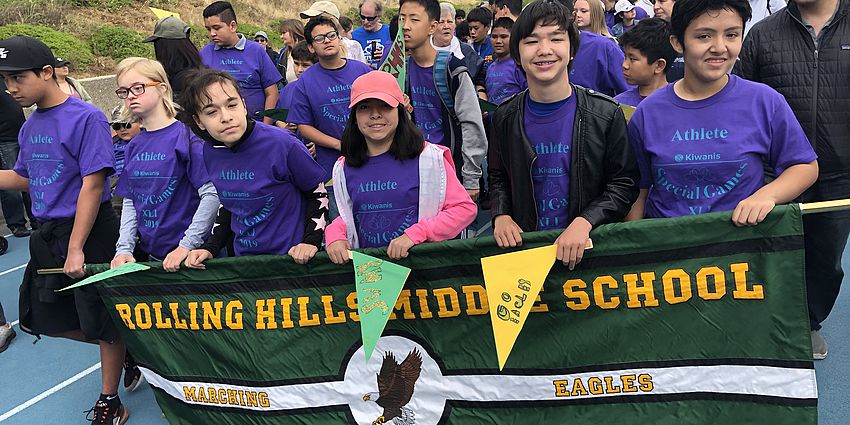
(194, 166)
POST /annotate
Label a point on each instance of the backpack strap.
(441, 78)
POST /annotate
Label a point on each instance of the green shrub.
(103, 4)
(199, 36)
(119, 43)
(63, 45)
(250, 30)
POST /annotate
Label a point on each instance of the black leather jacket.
(603, 173)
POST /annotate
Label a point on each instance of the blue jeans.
(11, 201)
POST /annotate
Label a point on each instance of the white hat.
(319, 8)
(623, 6)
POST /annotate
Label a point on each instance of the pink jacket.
(458, 212)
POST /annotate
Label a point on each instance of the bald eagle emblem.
(395, 388)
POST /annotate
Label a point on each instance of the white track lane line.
(13, 269)
(49, 392)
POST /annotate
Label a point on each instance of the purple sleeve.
(299, 108)
(95, 152)
(269, 75)
(21, 167)
(195, 167)
(300, 168)
(616, 80)
(789, 145)
(121, 187)
(285, 99)
(642, 157)
(520, 77)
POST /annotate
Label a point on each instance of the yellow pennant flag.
(513, 282)
(162, 14)
(628, 111)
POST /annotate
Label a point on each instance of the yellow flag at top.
(162, 14)
(513, 282)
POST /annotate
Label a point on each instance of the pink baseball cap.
(376, 85)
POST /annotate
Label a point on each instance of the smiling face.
(581, 10)
(223, 114)
(327, 49)
(141, 105)
(221, 33)
(377, 121)
(545, 54)
(416, 24)
(711, 45)
(445, 30)
(500, 38)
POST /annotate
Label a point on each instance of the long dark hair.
(176, 55)
(407, 143)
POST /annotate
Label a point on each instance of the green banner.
(396, 62)
(689, 320)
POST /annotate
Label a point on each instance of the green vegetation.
(64, 45)
(119, 43)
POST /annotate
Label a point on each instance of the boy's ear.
(47, 72)
(198, 122)
(433, 28)
(677, 46)
(659, 65)
(232, 26)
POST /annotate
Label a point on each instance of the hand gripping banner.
(665, 322)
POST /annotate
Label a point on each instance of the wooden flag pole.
(825, 206)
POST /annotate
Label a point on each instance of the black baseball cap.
(21, 53)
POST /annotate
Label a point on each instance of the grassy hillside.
(95, 34)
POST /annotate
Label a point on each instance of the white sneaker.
(819, 347)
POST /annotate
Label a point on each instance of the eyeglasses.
(331, 36)
(136, 89)
(121, 126)
(369, 18)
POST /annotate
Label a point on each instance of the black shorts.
(46, 312)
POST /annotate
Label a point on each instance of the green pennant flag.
(396, 63)
(278, 114)
(118, 271)
(378, 285)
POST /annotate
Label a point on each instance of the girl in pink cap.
(394, 189)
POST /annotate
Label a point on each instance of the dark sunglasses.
(369, 18)
(121, 126)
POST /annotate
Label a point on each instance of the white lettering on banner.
(432, 389)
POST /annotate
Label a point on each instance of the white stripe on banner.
(358, 388)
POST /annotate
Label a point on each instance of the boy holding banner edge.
(699, 147)
(559, 156)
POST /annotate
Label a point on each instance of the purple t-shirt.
(321, 100)
(162, 174)
(550, 132)
(250, 65)
(504, 79)
(284, 101)
(60, 146)
(703, 156)
(260, 181)
(119, 149)
(599, 65)
(385, 197)
(630, 97)
(427, 105)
